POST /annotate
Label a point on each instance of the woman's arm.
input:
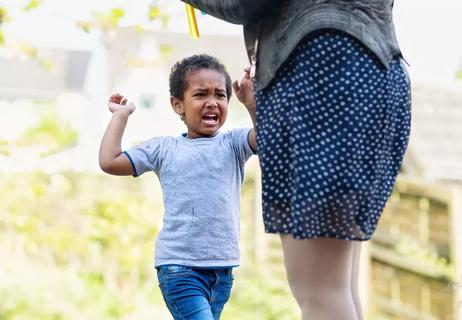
(235, 11)
(111, 158)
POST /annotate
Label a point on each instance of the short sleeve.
(240, 140)
(146, 156)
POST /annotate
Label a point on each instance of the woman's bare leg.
(355, 278)
(319, 273)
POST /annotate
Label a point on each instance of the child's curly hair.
(193, 63)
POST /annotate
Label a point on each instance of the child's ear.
(177, 105)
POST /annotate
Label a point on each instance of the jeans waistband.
(219, 270)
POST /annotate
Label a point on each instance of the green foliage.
(153, 13)
(459, 74)
(80, 246)
(51, 133)
(165, 51)
(4, 148)
(107, 21)
(413, 250)
(91, 250)
(110, 20)
(258, 297)
(33, 4)
(4, 17)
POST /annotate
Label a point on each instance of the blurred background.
(76, 243)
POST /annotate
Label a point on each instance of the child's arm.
(111, 158)
(245, 94)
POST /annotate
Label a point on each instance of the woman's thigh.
(318, 263)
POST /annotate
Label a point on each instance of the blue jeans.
(195, 294)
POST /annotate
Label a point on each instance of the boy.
(201, 173)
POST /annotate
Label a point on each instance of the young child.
(201, 173)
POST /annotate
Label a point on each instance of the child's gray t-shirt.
(201, 183)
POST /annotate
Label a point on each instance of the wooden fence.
(415, 254)
(412, 268)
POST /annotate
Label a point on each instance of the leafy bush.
(80, 246)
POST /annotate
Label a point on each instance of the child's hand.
(244, 90)
(118, 103)
(245, 93)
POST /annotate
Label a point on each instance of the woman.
(333, 122)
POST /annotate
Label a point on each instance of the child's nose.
(212, 102)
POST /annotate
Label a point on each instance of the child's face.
(205, 103)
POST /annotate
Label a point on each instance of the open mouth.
(210, 118)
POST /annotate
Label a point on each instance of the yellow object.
(193, 30)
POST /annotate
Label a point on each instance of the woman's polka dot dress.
(332, 129)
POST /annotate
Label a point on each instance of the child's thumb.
(236, 86)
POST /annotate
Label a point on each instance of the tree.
(108, 21)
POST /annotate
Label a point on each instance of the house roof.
(21, 79)
(435, 146)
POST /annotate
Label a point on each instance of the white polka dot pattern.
(332, 129)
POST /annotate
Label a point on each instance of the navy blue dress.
(332, 129)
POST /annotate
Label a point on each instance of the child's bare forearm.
(245, 94)
(111, 158)
(253, 133)
(251, 109)
(110, 147)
